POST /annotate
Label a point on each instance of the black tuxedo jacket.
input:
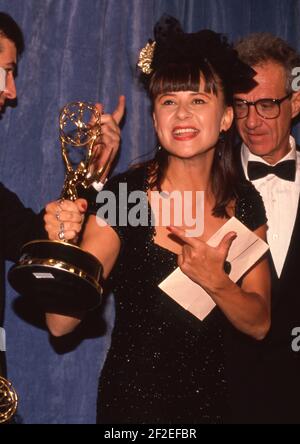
(265, 375)
(18, 225)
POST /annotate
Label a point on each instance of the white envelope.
(3, 74)
(244, 252)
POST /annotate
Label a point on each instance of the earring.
(222, 137)
(221, 142)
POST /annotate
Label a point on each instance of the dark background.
(87, 50)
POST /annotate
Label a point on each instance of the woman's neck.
(188, 174)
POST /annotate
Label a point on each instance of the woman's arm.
(102, 242)
(247, 307)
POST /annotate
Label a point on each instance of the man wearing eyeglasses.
(267, 374)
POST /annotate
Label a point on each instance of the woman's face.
(188, 123)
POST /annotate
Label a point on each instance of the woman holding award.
(164, 364)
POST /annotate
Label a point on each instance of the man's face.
(8, 61)
(268, 138)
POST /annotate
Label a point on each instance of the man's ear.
(227, 118)
(295, 101)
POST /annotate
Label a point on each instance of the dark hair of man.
(259, 48)
(186, 77)
(11, 30)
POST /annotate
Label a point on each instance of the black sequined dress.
(164, 365)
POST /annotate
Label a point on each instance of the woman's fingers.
(181, 234)
(63, 219)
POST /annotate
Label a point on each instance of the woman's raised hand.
(202, 263)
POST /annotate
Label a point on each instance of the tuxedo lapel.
(293, 253)
(293, 250)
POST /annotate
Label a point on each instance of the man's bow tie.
(285, 170)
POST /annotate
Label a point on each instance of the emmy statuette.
(60, 276)
(8, 400)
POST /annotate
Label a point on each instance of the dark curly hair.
(11, 30)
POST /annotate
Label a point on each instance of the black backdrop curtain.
(87, 50)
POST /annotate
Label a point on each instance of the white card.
(2, 340)
(2, 79)
(244, 252)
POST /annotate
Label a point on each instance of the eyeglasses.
(266, 108)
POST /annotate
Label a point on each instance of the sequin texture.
(164, 365)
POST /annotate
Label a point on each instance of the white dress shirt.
(281, 203)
